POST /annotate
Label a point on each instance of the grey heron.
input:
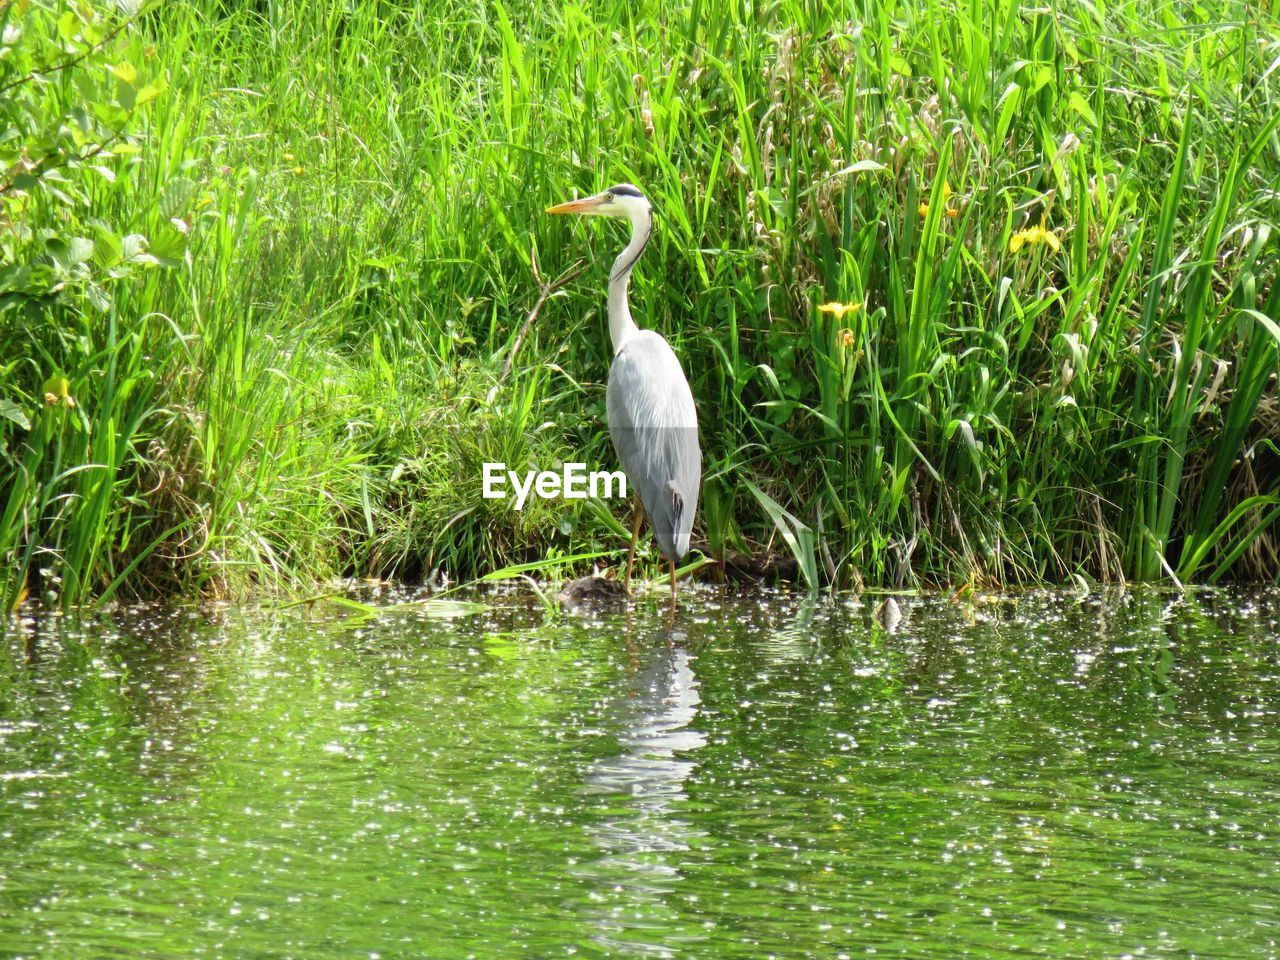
(652, 419)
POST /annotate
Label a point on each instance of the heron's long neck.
(621, 326)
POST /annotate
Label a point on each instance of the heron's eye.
(608, 198)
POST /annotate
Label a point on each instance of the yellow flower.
(1033, 236)
(297, 171)
(838, 310)
(947, 209)
(845, 339)
(289, 157)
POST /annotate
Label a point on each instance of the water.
(1043, 776)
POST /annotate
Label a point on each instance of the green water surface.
(763, 776)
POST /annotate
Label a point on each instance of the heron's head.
(623, 200)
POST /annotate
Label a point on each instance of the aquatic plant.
(278, 254)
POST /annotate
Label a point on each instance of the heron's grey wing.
(654, 427)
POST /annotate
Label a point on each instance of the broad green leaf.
(148, 93)
(133, 246)
(79, 249)
(175, 200)
(126, 72)
(168, 246)
(1081, 106)
(11, 411)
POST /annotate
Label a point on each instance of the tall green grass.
(296, 375)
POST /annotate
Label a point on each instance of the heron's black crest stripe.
(625, 190)
(626, 268)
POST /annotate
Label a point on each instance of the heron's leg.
(637, 518)
(673, 582)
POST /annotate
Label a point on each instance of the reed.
(277, 253)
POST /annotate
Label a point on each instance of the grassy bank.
(263, 264)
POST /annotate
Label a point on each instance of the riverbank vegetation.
(967, 292)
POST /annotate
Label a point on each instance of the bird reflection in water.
(640, 791)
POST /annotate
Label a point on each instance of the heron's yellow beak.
(585, 205)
